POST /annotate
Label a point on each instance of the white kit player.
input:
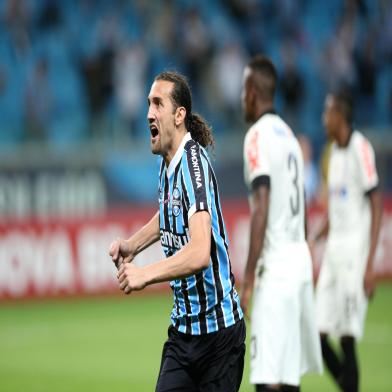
(284, 336)
(354, 214)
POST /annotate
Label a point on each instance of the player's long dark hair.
(181, 96)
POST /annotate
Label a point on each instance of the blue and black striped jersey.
(207, 301)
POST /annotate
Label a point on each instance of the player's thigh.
(352, 296)
(327, 301)
(173, 377)
(276, 306)
(230, 383)
(224, 366)
(231, 380)
(174, 374)
(310, 341)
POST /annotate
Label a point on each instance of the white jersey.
(351, 174)
(341, 301)
(272, 150)
(283, 292)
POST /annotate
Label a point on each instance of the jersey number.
(294, 197)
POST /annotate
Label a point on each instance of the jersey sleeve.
(367, 166)
(256, 158)
(195, 176)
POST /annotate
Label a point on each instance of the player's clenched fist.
(130, 277)
(121, 252)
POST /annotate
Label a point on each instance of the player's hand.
(369, 283)
(312, 244)
(246, 295)
(120, 252)
(130, 278)
(312, 251)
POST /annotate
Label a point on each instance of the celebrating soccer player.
(205, 348)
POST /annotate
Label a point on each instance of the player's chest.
(171, 199)
(343, 175)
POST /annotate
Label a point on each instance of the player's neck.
(264, 108)
(177, 139)
(344, 136)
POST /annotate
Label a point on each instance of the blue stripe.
(195, 304)
(188, 182)
(212, 325)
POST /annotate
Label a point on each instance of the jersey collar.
(177, 156)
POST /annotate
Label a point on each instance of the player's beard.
(155, 145)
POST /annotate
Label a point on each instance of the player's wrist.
(150, 274)
(315, 238)
(248, 280)
(369, 268)
(128, 247)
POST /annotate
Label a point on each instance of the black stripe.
(219, 309)
(177, 305)
(233, 301)
(174, 186)
(161, 168)
(218, 207)
(199, 277)
(184, 289)
(235, 305)
(212, 178)
(184, 285)
(185, 202)
(166, 202)
(203, 302)
(218, 285)
(196, 172)
(161, 196)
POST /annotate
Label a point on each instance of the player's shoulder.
(262, 127)
(193, 150)
(268, 121)
(359, 142)
(359, 137)
(190, 146)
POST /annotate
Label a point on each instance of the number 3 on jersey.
(292, 164)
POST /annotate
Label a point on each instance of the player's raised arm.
(124, 251)
(191, 259)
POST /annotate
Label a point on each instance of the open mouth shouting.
(154, 131)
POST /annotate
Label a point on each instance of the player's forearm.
(376, 214)
(145, 237)
(323, 232)
(191, 259)
(258, 226)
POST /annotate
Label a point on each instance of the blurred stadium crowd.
(75, 163)
(80, 69)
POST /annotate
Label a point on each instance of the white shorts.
(284, 339)
(340, 297)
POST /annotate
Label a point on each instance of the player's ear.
(253, 96)
(179, 115)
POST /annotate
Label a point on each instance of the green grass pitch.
(114, 344)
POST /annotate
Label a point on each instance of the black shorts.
(212, 362)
